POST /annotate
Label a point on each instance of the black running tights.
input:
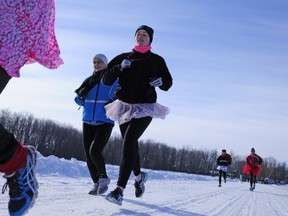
(8, 144)
(131, 132)
(220, 175)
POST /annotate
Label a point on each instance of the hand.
(125, 64)
(156, 82)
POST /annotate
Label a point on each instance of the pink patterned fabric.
(27, 35)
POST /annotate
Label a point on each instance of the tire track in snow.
(279, 201)
(263, 201)
(194, 195)
(235, 199)
(230, 206)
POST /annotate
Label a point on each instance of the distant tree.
(113, 150)
(268, 166)
(49, 137)
(62, 140)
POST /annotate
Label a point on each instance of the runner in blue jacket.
(93, 95)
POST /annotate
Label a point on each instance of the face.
(142, 38)
(98, 64)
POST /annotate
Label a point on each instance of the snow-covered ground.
(64, 186)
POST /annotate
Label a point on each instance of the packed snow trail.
(64, 186)
(63, 196)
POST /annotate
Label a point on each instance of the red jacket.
(254, 160)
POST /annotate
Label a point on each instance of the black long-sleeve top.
(133, 83)
(224, 160)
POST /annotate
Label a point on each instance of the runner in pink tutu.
(253, 167)
(139, 72)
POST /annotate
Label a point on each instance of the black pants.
(95, 139)
(220, 176)
(4, 79)
(131, 132)
(252, 180)
(8, 143)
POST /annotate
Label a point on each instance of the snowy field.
(64, 186)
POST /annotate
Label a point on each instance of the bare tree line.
(64, 141)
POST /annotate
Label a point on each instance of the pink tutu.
(124, 112)
(27, 35)
(252, 170)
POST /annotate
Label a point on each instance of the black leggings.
(252, 180)
(8, 143)
(4, 79)
(131, 132)
(95, 139)
(220, 175)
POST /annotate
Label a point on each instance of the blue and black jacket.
(95, 99)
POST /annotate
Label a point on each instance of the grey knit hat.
(102, 57)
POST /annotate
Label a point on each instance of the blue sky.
(228, 59)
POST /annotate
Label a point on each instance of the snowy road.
(64, 186)
(66, 196)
